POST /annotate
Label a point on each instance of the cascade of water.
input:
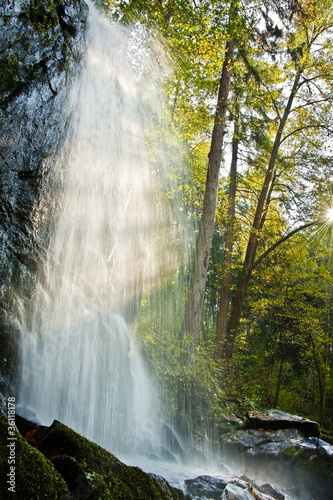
(78, 361)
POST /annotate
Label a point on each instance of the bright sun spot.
(330, 214)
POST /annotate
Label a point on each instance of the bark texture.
(229, 236)
(192, 316)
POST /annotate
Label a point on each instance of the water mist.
(79, 363)
(111, 241)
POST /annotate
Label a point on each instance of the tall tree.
(229, 236)
(192, 316)
(303, 68)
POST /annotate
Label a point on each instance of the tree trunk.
(320, 380)
(279, 382)
(193, 307)
(327, 347)
(221, 324)
(255, 230)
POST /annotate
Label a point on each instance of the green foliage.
(288, 330)
(283, 350)
(193, 388)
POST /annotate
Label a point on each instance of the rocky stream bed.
(274, 463)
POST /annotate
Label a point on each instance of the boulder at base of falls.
(276, 419)
(206, 487)
(66, 466)
(218, 488)
(303, 466)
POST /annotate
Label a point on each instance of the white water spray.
(78, 362)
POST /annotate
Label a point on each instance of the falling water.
(79, 363)
(111, 238)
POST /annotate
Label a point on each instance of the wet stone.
(205, 487)
(276, 419)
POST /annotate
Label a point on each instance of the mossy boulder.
(312, 470)
(65, 465)
(35, 475)
(94, 470)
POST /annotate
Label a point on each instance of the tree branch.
(282, 240)
(299, 129)
(302, 106)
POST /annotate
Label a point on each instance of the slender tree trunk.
(255, 230)
(204, 334)
(221, 324)
(320, 379)
(325, 375)
(193, 307)
(279, 381)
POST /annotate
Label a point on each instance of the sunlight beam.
(330, 214)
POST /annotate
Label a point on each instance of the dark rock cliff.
(41, 45)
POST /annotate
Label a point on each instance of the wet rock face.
(211, 488)
(206, 487)
(41, 45)
(303, 466)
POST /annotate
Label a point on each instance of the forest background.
(244, 320)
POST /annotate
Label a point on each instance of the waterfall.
(79, 362)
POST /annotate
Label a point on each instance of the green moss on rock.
(96, 472)
(42, 14)
(313, 469)
(35, 476)
(67, 466)
(327, 436)
(12, 83)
